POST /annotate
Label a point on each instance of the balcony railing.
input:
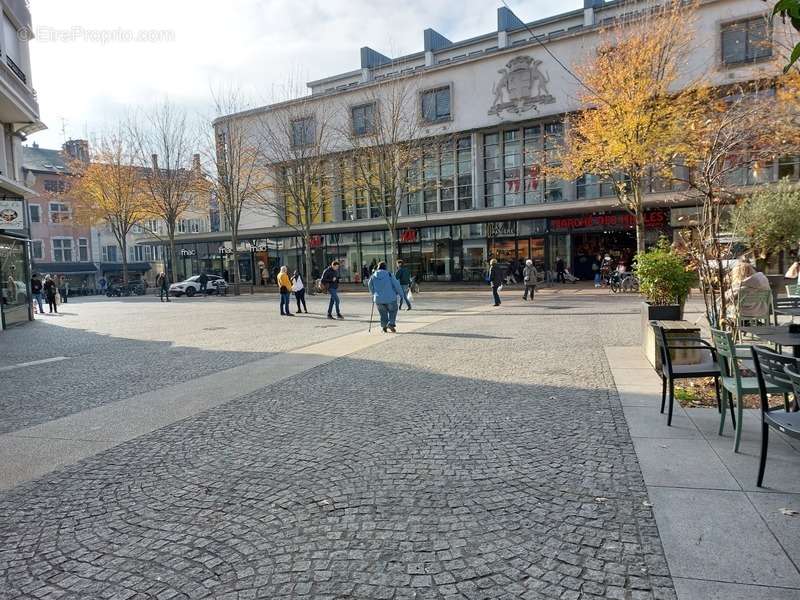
(17, 71)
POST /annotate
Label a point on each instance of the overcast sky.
(90, 64)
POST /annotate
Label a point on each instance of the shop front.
(446, 253)
(580, 239)
(15, 302)
(15, 306)
(80, 276)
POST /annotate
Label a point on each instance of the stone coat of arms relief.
(521, 87)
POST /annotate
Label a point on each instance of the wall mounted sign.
(12, 215)
(652, 219)
(521, 87)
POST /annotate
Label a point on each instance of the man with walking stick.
(385, 289)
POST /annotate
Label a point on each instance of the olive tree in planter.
(665, 283)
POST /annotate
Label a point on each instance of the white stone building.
(501, 98)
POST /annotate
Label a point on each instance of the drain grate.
(213, 328)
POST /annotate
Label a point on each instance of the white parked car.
(191, 286)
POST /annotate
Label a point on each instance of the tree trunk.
(173, 258)
(235, 256)
(124, 248)
(308, 264)
(640, 231)
(394, 254)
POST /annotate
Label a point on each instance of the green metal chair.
(753, 307)
(793, 290)
(734, 384)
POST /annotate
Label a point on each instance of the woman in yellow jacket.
(285, 287)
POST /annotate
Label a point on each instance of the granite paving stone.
(484, 456)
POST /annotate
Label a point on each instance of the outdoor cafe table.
(789, 312)
(777, 334)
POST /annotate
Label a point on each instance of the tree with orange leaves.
(634, 120)
(107, 190)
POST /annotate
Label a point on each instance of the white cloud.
(257, 44)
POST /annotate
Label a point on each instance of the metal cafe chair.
(706, 367)
(734, 384)
(775, 371)
(753, 307)
(790, 303)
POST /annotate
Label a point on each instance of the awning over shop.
(133, 267)
(68, 267)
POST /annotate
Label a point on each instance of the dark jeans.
(285, 303)
(164, 292)
(528, 288)
(388, 313)
(404, 297)
(496, 294)
(300, 297)
(51, 303)
(560, 277)
(64, 295)
(334, 301)
(38, 297)
(204, 288)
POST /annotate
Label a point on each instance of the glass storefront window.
(14, 281)
(513, 165)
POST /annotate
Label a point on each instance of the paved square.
(484, 455)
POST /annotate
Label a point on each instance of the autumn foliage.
(635, 120)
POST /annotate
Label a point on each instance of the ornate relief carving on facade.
(521, 87)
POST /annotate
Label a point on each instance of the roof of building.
(43, 160)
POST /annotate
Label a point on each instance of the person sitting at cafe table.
(743, 276)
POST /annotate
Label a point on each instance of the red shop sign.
(315, 241)
(654, 218)
(408, 236)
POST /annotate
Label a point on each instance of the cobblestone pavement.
(116, 349)
(484, 456)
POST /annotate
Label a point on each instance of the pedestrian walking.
(385, 288)
(36, 291)
(330, 282)
(495, 280)
(203, 281)
(404, 279)
(163, 286)
(50, 291)
(299, 290)
(529, 276)
(560, 267)
(285, 288)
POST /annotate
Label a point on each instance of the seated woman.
(743, 279)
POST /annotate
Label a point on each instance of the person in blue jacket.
(385, 289)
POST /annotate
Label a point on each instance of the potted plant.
(665, 282)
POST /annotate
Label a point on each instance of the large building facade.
(19, 117)
(495, 105)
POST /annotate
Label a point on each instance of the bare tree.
(296, 141)
(233, 172)
(728, 146)
(107, 190)
(164, 147)
(383, 166)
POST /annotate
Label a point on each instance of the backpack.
(322, 286)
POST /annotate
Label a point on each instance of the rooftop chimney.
(77, 149)
(196, 164)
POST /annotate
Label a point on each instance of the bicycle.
(623, 282)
